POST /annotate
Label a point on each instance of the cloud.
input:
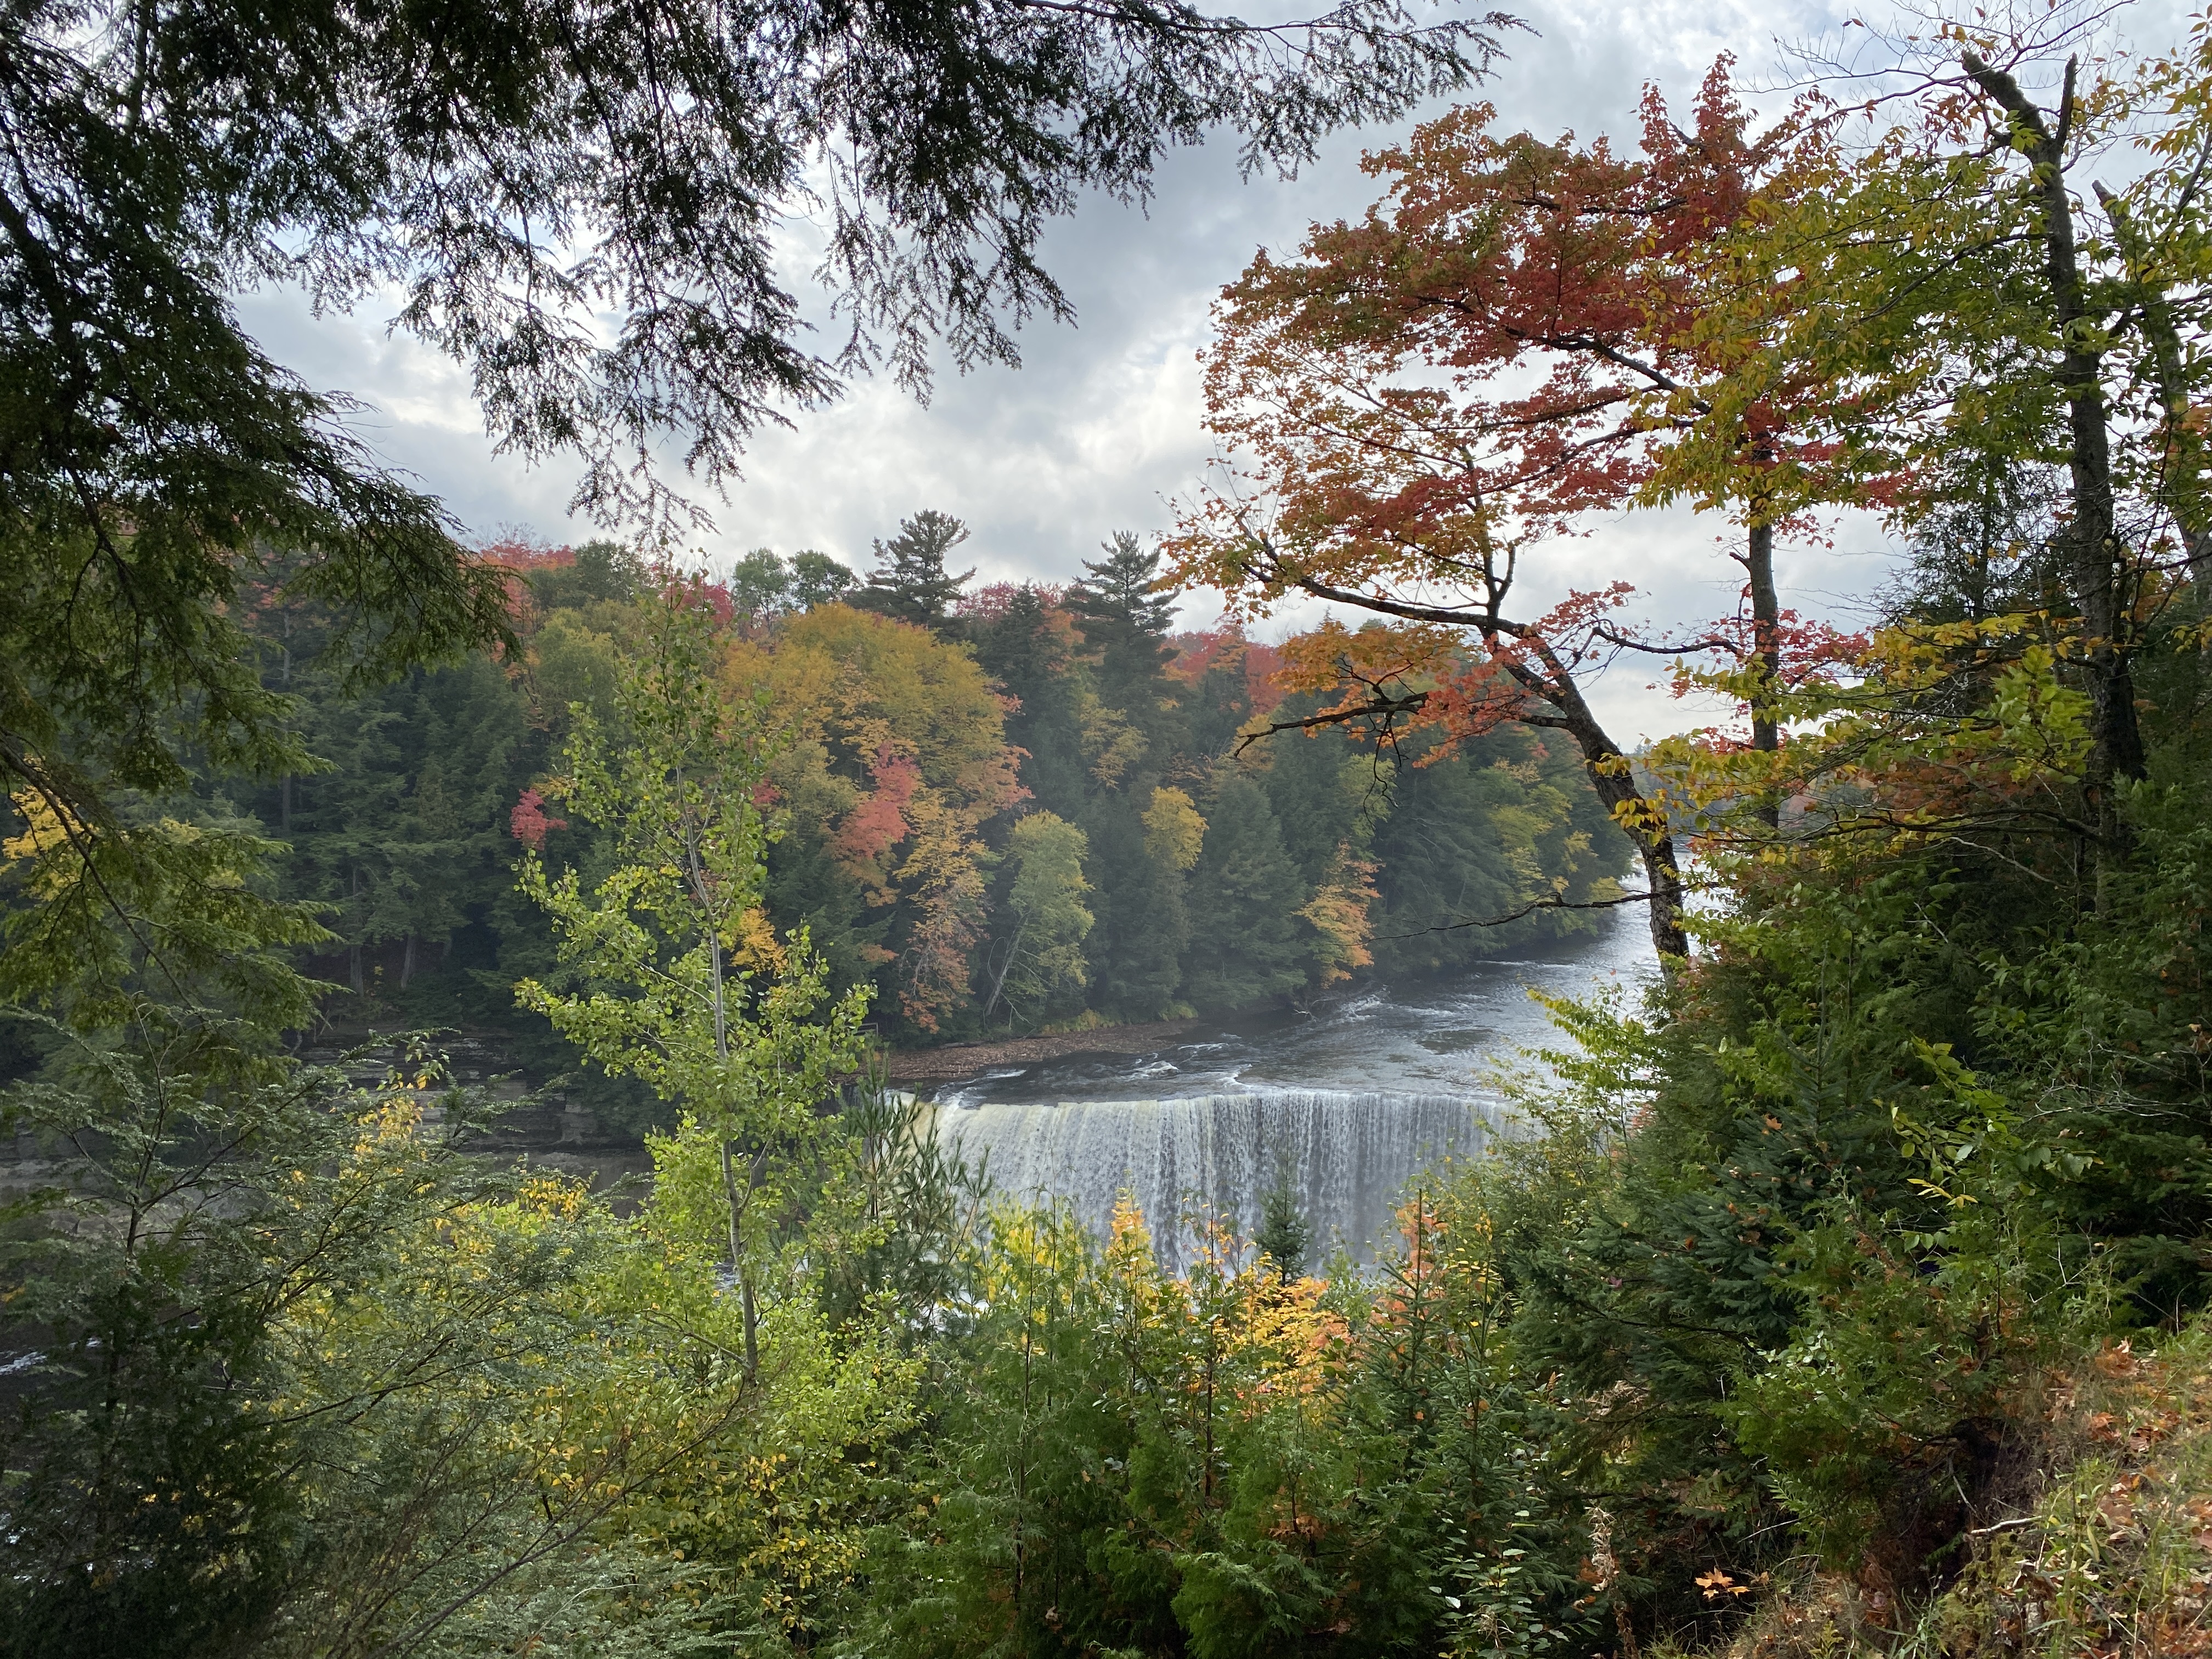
(1098, 430)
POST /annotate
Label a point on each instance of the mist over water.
(1350, 1099)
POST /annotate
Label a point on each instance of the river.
(1349, 1100)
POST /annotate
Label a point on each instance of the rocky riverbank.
(959, 1059)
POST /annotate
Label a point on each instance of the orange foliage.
(895, 756)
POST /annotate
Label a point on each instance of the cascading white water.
(1354, 1096)
(1348, 1156)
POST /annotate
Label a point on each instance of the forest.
(1001, 808)
(1841, 1290)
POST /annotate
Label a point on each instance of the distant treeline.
(1009, 808)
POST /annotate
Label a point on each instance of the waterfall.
(1349, 1156)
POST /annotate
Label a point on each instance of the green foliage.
(1246, 894)
(1284, 1236)
(910, 582)
(1231, 1463)
(1044, 967)
(685, 988)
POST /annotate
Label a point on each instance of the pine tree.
(1284, 1236)
(1326, 793)
(1125, 613)
(1143, 923)
(1244, 903)
(1027, 655)
(909, 582)
(1121, 595)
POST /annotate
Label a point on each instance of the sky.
(1099, 429)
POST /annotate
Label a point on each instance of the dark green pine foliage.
(1142, 922)
(1246, 942)
(805, 886)
(404, 834)
(1022, 650)
(1440, 862)
(1218, 704)
(909, 582)
(1284, 1236)
(1124, 615)
(342, 824)
(1328, 794)
(1472, 836)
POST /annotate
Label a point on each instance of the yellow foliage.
(1174, 831)
(49, 828)
(1342, 912)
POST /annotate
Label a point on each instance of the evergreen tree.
(1121, 595)
(909, 582)
(1125, 613)
(1328, 794)
(1143, 923)
(1246, 943)
(1027, 655)
(1284, 1237)
(1218, 701)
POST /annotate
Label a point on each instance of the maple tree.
(1420, 400)
(895, 758)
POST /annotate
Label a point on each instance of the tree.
(596, 571)
(909, 582)
(1245, 898)
(759, 583)
(1284, 1236)
(1027, 648)
(1956, 320)
(690, 989)
(1143, 918)
(1124, 609)
(1122, 597)
(1042, 963)
(817, 580)
(159, 470)
(1419, 400)
(892, 755)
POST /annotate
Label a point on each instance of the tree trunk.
(284, 799)
(358, 984)
(998, 985)
(2183, 482)
(1766, 644)
(1610, 772)
(2091, 539)
(1613, 777)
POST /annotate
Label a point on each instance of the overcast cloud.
(1099, 429)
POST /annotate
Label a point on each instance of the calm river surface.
(1348, 1101)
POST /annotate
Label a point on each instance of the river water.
(1349, 1100)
